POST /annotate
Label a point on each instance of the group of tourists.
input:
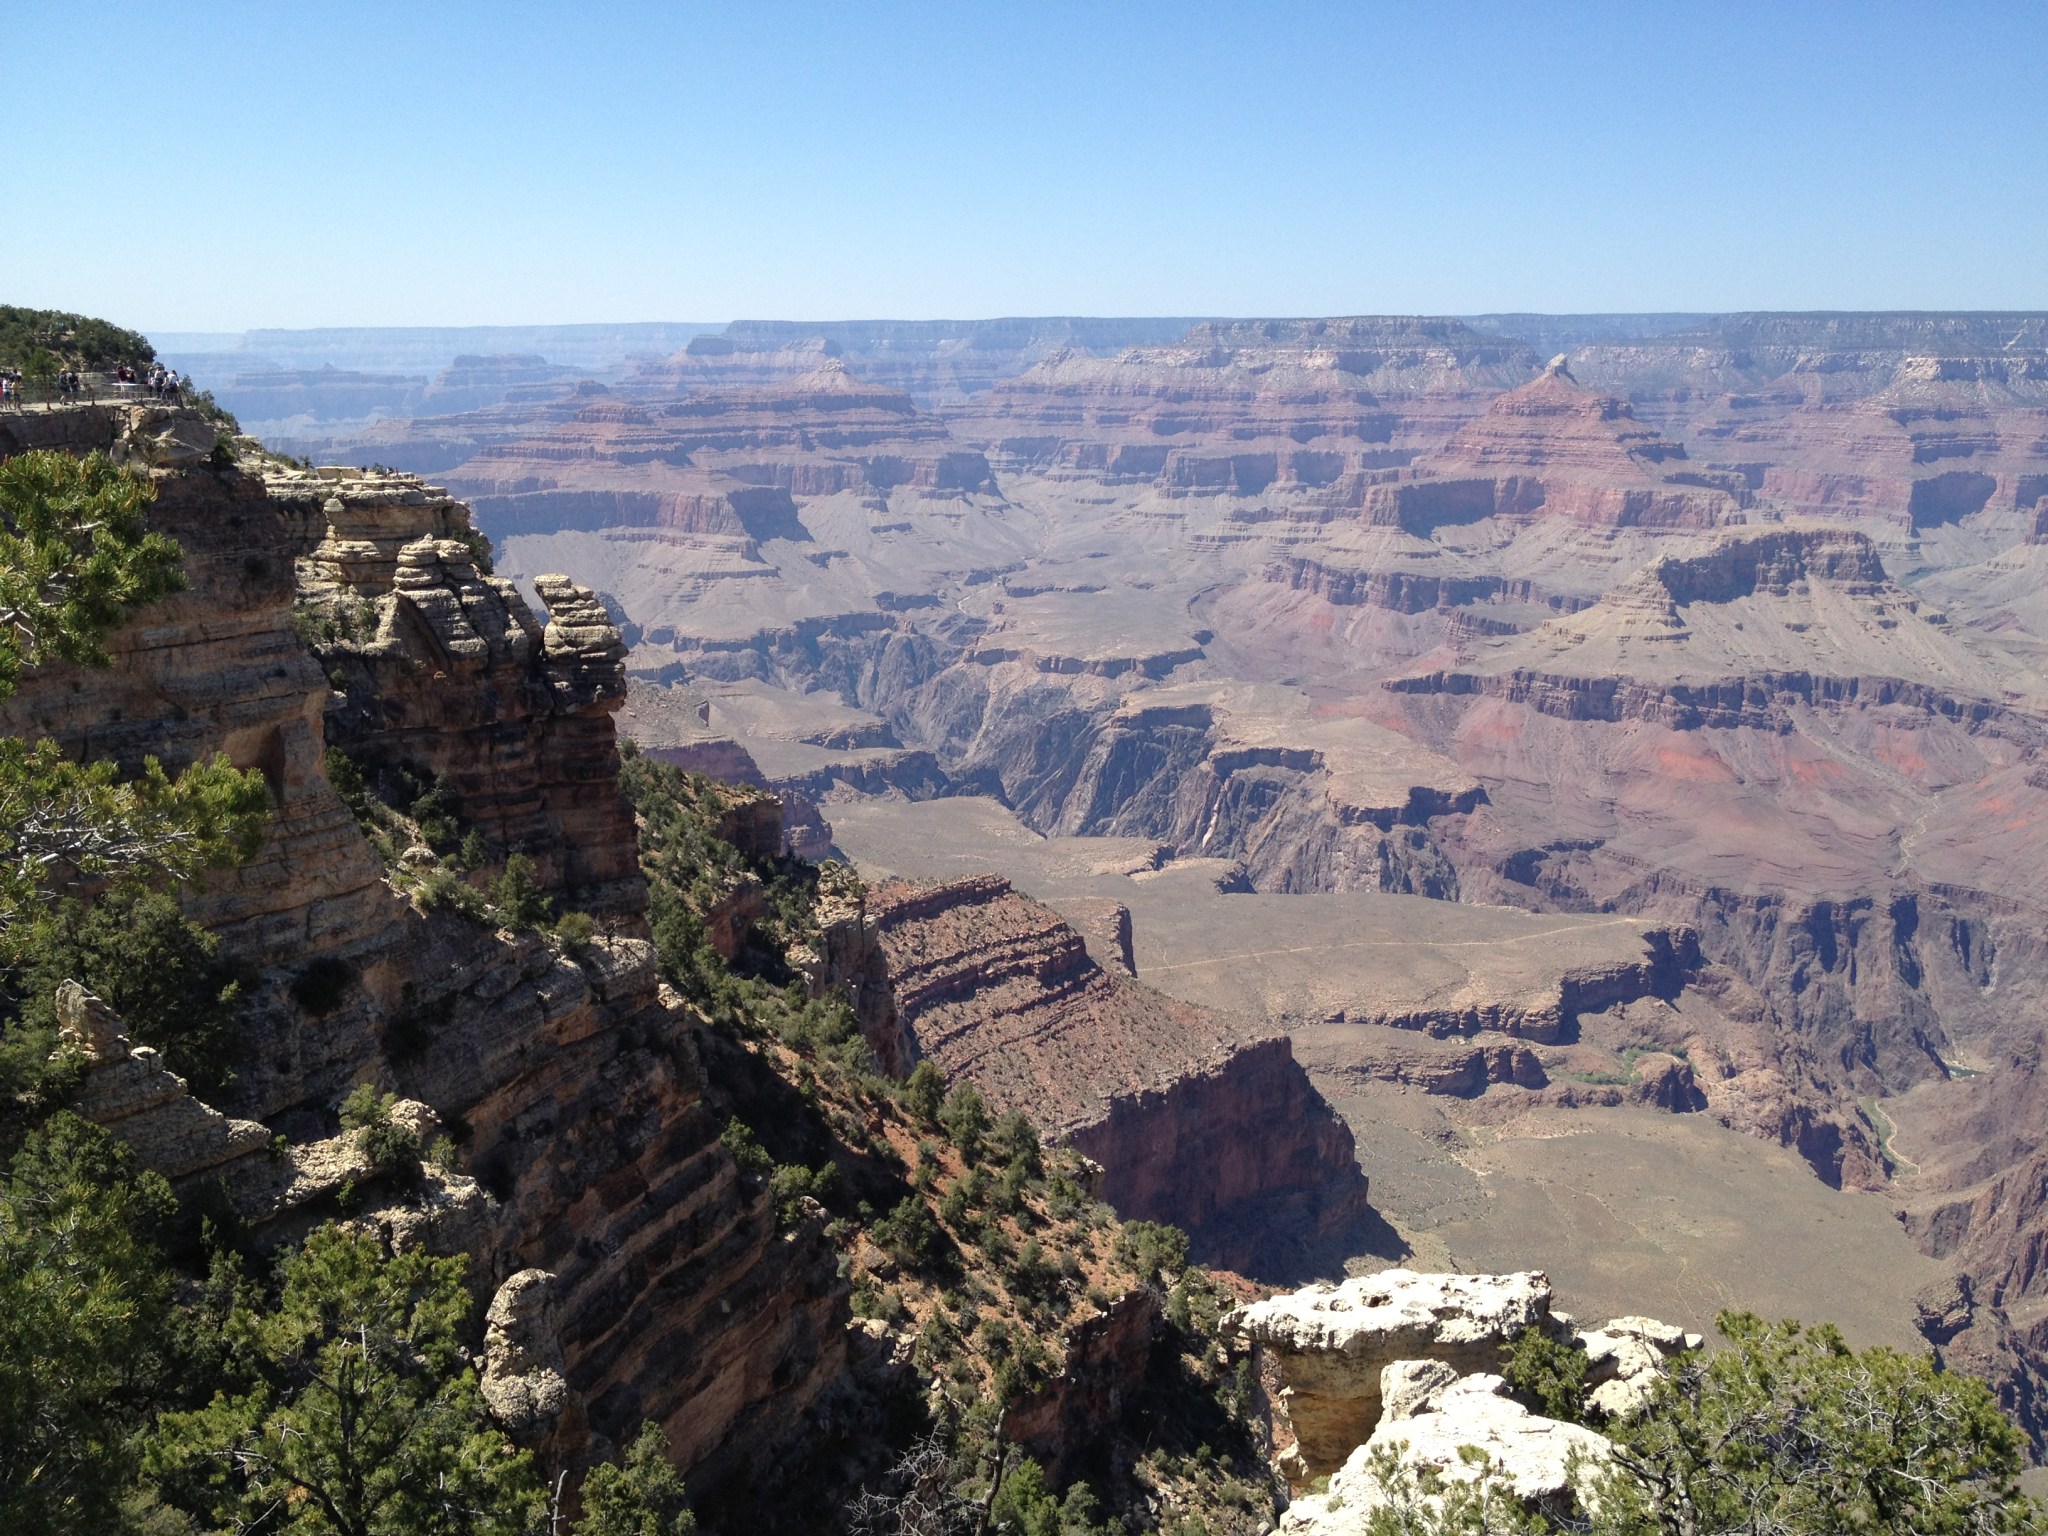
(158, 382)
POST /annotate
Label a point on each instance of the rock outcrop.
(445, 671)
(1332, 1345)
(1524, 1454)
(129, 1091)
(1196, 1120)
(1397, 1372)
(1624, 1358)
(522, 1381)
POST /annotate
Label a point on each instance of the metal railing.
(93, 389)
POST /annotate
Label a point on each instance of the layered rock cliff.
(1196, 1121)
(574, 1087)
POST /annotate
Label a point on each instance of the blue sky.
(219, 166)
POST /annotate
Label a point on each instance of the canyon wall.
(1196, 1120)
(576, 1088)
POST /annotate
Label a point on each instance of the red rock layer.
(1553, 446)
(1197, 1120)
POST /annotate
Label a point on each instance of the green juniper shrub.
(518, 896)
(924, 1091)
(641, 1495)
(86, 1314)
(937, 1341)
(393, 1149)
(1179, 1309)
(1033, 1277)
(994, 1338)
(967, 1194)
(791, 1184)
(1790, 1421)
(1010, 1189)
(1152, 1251)
(445, 888)
(739, 1139)
(995, 1244)
(575, 930)
(965, 1117)
(76, 557)
(1421, 1501)
(137, 952)
(1547, 1375)
(909, 1235)
(431, 805)
(315, 626)
(956, 1206)
(1015, 1143)
(348, 781)
(361, 1412)
(479, 548)
(1065, 1199)
(77, 341)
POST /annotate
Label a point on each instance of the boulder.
(1624, 1358)
(522, 1380)
(1332, 1343)
(1409, 1387)
(1532, 1456)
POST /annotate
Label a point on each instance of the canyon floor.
(1622, 1207)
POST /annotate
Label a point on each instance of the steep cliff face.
(446, 672)
(219, 668)
(576, 1087)
(1197, 1121)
